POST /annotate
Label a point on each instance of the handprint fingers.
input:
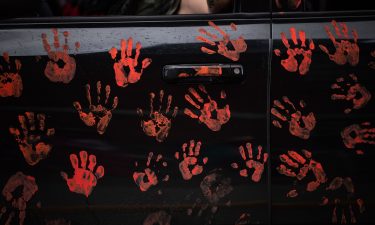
(53, 71)
(126, 61)
(346, 51)
(252, 161)
(83, 180)
(239, 45)
(357, 134)
(159, 121)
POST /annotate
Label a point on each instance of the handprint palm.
(10, 80)
(190, 160)
(99, 114)
(298, 166)
(209, 113)
(299, 124)
(32, 139)
(346, 51)
(122, 77)
(251, 162)
(84, 179)
(351, 90)
(357, 134)
(291, 63)
(53, 71)
(29, 188)
(239, 45)
(159, 123)
(149, 177)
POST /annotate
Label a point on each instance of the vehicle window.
(50, 8)
(321, 5)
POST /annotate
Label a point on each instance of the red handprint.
(208, 109)
(18, 181)
(149, 177)
(358, 134)
(53, 71)
(10, 80)
(251, 162)
(159, 122)
(33, 141)
(351, 90)
(132, 75)
(215, 187)
(343, 204)
(302, 165)
(239, 45)
(291, 64)
(346, 51)
(190, 160)
(85, 178)
(99, 114)
(299, 125)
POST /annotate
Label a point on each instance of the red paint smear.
(350, 90)
(10, 80)
(127, 61)
(100, 112)
(204, 71)
(291, 64)
(300, 125)
(347, 51)
(28, 187)
(207, 109)
(31, 140)
(239, 45)
(252, 162)
(159, 122)
(85, 178)
(159, 218)
(53, 71)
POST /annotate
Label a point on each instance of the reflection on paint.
(209, 112)
(159, 122)
(252, 161)
(372, 63)
(98, 114)
(57, 222)
(222, 43)
(300, 123)
(10, 79)
(85, 177)
(54, 71)
(350, 90)
(28, 187)
(149, 177)
(291, 64)
(159, 218)
(204, 71)
(292, 4)
(127, 70)
(343, 204)
(33, 138)
(215, 187)
(298, 167)
(346, 51)
(189, 165)
(356, 134)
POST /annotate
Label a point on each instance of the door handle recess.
(203, 73)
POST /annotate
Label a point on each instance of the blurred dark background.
(48, 8)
